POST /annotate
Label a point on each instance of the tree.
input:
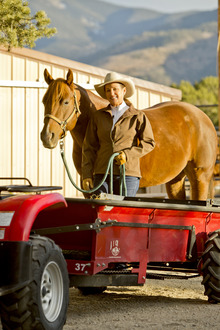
(18, 28)
(204, 92)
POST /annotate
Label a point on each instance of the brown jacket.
(132, 133)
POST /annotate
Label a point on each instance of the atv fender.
(24, 210)
(17, 215)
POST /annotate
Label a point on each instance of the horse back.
(169, 118)
(183, 134)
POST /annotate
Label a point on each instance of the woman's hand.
(87, 184)
(120, 159)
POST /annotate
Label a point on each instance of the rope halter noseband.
(63, 123)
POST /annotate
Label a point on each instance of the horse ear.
(69, 77)
(48, 78)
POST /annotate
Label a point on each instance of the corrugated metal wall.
(22, 112)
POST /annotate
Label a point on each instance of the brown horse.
(186, 140)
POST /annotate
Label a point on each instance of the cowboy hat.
(113, 77)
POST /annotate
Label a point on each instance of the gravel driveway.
(159, 304)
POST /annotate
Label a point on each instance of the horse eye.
(66, 102)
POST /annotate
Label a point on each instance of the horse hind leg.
(176, 187)
(199, 179)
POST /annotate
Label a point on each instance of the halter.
(64, 123)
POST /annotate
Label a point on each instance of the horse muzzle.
(49, 139)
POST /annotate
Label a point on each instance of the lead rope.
(110, 166)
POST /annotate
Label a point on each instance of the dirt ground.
(159, 304)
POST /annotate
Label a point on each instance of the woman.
(117, 128)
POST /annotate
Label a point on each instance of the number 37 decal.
(81, 267)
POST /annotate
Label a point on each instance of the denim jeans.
(132, 184)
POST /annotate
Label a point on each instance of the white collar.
(119, 107)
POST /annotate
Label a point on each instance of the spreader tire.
(91, 290)
(211, 267)
(43, 303)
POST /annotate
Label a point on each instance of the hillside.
(159, 47)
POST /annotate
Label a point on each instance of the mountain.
(147, 44)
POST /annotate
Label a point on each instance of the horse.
(186, 140)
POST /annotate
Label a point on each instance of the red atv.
(48, 243)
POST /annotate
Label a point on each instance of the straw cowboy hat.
(113, 77)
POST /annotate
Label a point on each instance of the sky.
(168, 6)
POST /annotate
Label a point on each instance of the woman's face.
(115, 93)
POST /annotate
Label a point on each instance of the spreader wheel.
(43, 303)
(211, 267)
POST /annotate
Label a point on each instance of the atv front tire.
(43, 303)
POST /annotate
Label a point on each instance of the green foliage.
(204, 92)
(18, 28)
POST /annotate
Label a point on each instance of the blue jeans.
(132, 184)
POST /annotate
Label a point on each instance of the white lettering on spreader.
(114, 248)
(80, 267)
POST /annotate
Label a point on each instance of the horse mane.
(88, 104)
(55, 92)
(94, 101)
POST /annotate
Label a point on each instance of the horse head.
(61, 109)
